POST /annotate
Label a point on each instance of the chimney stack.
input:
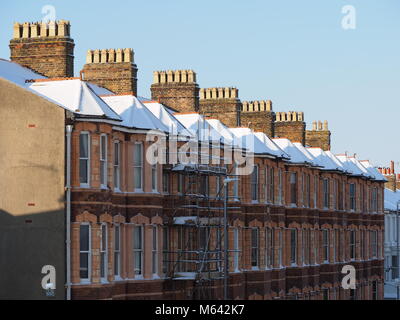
(46, 48)
(113, 69)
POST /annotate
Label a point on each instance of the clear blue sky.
(292, 52)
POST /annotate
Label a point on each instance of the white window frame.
(325, 245)
(256, 248)
(326, 193)
(117, 252)
(137, 166)
(353, 244)
(280, 186)
(104, 252)
(293, 187)
(281, 245)
(117, 166)
(154, 251)
(236, 250)
(269, 248)
(254, 183)
(138, 251)
(154, 178)
(85, 184)
(103, 161)
(89, 253)
(352, 197)
(293, 262)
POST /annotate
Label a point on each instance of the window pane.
(103, 141)
(83, 145)
(137, 156)
(103, 237)
(138, 262)
(138, 178)
(116, 239)
(84, 238)
(137, 238)
(83, 171)
(84, 266)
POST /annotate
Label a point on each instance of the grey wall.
(32, 218)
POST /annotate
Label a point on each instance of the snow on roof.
(350, 166)
(100, 91)
(308, 155)
(134, 114)
(336, 161)
(16, 73)
(199, 127)
(272, 146)
(373, 171)
(323, 160)
(223, 131)
(296, 156)
(391, 199)
(71, 94)
(74, 95)
(362, 168)
(167, 118)
(247, 139)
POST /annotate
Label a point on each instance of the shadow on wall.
(27, 243)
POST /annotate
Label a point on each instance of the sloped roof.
(74, 95)
(306, 153)
(197, 125)
(248, 139)
(272, 146)
(336, 161)
(16, 73)
(323, 160)
(100, 91)
(133, 113)
(296, 156)
(167, 118)
(373, 171)
(362, 168)
(350, 166)
(222, 132)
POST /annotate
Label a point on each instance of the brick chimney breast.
(113, 69)
(46, 48)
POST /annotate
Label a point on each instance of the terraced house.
(79, 192)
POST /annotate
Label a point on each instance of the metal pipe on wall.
(69, 129)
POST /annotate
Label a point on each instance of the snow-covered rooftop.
(323, 160)
(134, 114)
(296, 156)
(373, 171)
(350, 166)
(167, 118)
(254, 143)
(306, 153)
(74, 95)
(16, 73)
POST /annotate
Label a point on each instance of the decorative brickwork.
(112, 69)
(222, 104)
(319, 136)
(176, 89)
(44, 47)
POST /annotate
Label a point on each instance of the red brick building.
(154, 231)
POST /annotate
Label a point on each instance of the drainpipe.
(69, 129)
